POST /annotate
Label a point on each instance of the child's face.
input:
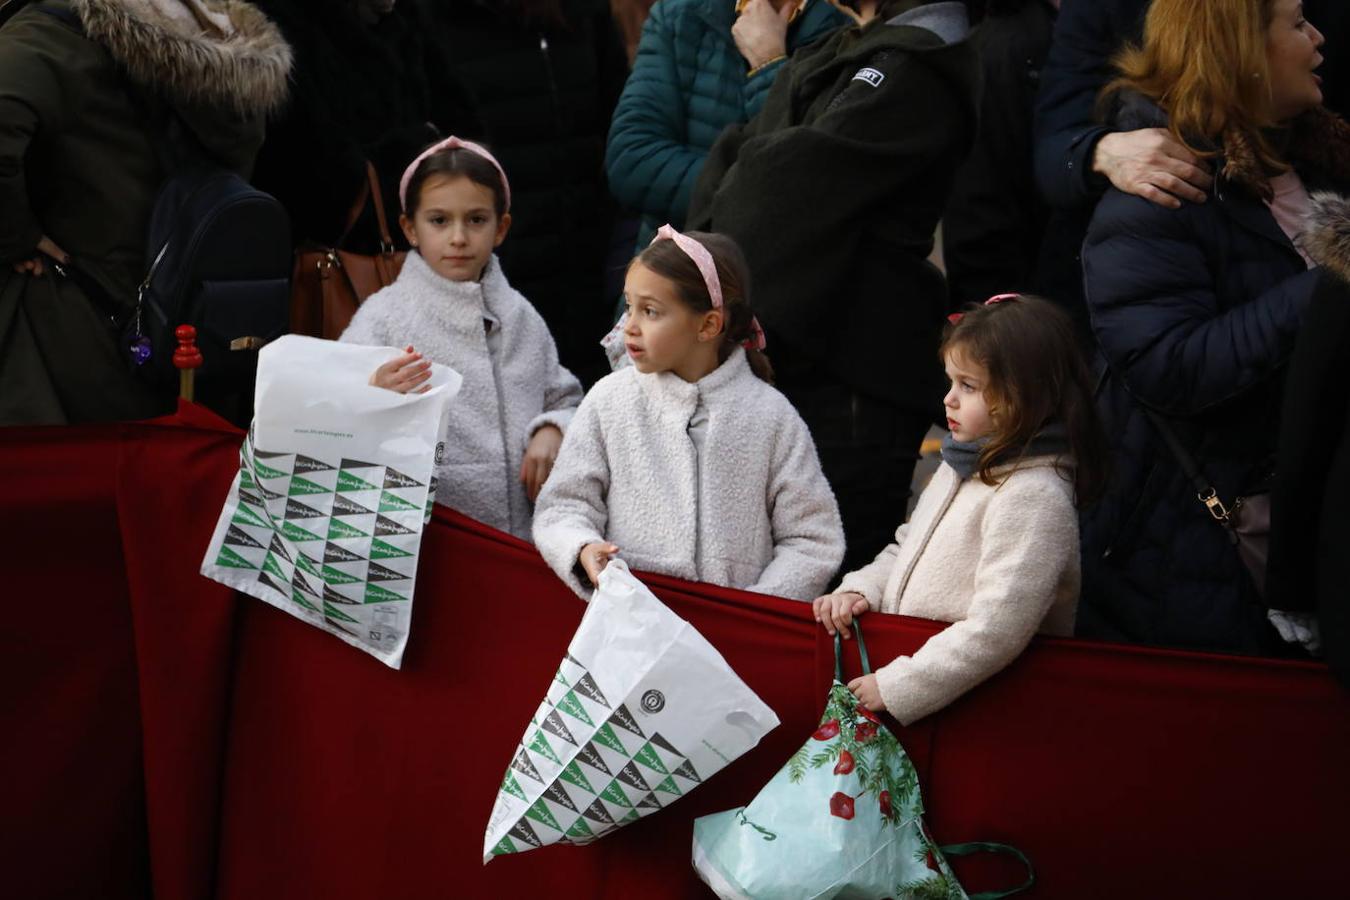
(455, 227)
(969, 417)
(662, 333)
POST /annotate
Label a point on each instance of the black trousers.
(868, 450)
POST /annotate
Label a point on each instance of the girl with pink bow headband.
(692, 266)
(690, 460)
(707, 268)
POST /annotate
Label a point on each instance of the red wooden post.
(186, 359)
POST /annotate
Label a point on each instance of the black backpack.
(218, 258)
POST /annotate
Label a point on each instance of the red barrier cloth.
(113, 750)
(171, 483)
(72, 818)
(279, 762)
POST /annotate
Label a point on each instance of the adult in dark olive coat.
(79, 175)
(1195, 311)
(834, 191)
(544, 76)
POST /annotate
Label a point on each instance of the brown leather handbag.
(329, 283)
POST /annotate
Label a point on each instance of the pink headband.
(708, 269)
(997, 298)
(452, 143)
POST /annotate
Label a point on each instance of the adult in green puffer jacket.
(79, 174)
(834, 191)
(689, 81)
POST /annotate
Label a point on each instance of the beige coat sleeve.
(1028, 540)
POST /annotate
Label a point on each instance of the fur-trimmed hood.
(1327, 236)
(245, 71)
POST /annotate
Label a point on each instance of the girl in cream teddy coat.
(992, 546)
(453, 301)
(689, 463)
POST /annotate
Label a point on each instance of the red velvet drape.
(161, 732)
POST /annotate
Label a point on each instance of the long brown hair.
(666, 259)
(1204, 62)
(1037, 377)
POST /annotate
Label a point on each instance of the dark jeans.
(867, 450)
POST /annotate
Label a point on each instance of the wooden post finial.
(187, 359)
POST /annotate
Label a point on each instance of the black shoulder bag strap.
(1205, 491)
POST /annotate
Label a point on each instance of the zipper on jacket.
(552, 82)
(698, 495)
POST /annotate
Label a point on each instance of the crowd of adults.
(1150, 173)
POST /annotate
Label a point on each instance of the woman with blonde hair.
(1195, 312)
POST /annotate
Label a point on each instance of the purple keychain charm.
(138, 345)
(139, 348)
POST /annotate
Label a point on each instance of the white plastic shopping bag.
(641, 711)
(335, 484)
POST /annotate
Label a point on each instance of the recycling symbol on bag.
(653, 701)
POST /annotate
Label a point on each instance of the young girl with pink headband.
(992, 546)
(689, 463)
(453, 302)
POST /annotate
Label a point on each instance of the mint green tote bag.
(843, 820)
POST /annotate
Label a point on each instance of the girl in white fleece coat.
(688, 462)
(452, 300)
(992, 546)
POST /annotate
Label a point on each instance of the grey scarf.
(964, 456)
